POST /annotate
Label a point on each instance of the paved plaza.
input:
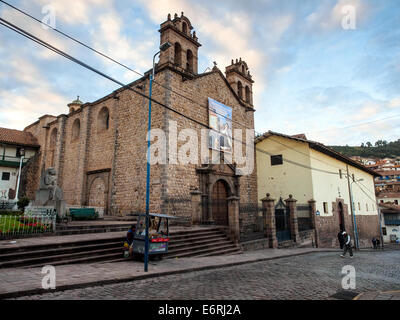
(312, 276)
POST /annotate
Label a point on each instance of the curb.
(378, 293)
(31, 292)
(358, 296)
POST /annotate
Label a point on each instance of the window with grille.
(5, 176)
(276, 160)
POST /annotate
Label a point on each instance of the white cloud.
(109, 39)
(35, 29)
(394, 103)
(31, 98)
(76, 12)
(327, 18)
(367, 110)
(228, 35)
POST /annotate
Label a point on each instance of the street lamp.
(163, 47)
(354, 211)
(22, 154)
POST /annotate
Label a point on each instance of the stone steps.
(183, 243)
(98, 258)
(75, 228)
(90, 230)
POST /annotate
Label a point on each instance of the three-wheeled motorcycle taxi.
(158, 235)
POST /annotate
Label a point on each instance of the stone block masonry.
(99, 148)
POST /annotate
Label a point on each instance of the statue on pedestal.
(48, 182)
(49, 194)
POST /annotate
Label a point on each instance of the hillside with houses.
(381, 149)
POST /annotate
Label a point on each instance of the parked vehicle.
(158, 235)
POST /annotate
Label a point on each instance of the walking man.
(347, 245)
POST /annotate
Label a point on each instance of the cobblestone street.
(311, 276)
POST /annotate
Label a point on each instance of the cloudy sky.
(311, 74)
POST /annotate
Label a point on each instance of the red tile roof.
(17, 137)
(389, 208)
(388, 172)
(301, 136)
(383, 195)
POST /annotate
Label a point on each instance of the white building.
(14, 145)
(390, 222)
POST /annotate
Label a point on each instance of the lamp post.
(22, 154)
(354, 212)
(163, 47)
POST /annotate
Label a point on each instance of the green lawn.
(15, 224)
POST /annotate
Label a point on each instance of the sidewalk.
(379, 295)
(20, 282)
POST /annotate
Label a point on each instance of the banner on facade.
(220, 122)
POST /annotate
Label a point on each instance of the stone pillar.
(196, 206)
(313, 215)
(269, 215)
(294, 228)
(59, 152)
(233, 217)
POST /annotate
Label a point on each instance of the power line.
(305, 154)
(117, 62)
(362, 189)
(356, 125)
(165, 87)
(70, 37)
(67, 56)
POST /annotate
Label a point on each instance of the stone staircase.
(90, 227)
(200, 242)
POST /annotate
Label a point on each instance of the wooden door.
(219, 203)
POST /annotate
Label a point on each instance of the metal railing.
(18, 226)
(304, 221)
(7, 204)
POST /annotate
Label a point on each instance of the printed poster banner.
(220, 138)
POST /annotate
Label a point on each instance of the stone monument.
(49, 196)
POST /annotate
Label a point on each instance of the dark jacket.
(340, 238)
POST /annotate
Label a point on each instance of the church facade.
(98, 149)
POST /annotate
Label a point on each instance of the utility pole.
(163, 47)
(351, 205)
(380, 222)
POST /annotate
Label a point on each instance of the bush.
(22, 203)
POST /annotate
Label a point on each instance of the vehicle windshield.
(157, 227)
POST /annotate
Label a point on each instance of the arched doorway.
(341, 216)
(220, 203)
(97, 193)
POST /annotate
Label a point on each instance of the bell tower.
(240, 79)
(75, 105)
(183, 55)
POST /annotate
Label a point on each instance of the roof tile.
(17, 137)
